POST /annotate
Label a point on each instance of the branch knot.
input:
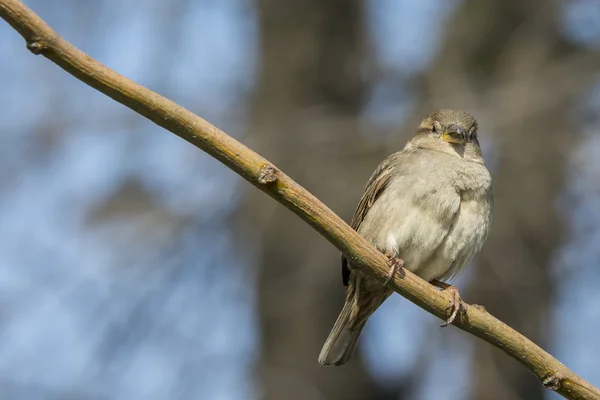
(552, 381)
(36, 47)
(267, 174)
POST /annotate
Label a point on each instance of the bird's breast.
(465, 238)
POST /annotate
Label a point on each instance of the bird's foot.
(395, 265)
(456, 303)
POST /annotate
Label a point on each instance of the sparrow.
(428, 208)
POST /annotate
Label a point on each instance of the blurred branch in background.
(41, 39)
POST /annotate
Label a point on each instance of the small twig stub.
(36, 47)
(267, 174)
(552, 382)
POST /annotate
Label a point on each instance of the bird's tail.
(341, 342)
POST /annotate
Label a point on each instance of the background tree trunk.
(502, 61)
(311, 87)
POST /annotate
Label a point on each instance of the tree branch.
(41, 39)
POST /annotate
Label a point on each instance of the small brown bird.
(429, 205)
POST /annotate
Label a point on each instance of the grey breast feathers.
(416, 214)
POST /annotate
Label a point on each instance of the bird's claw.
(395, 264)
(456, 305)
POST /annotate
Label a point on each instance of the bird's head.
(450, 131)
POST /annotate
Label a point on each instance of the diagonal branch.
(41, 39)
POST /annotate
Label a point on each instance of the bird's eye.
(434, 128)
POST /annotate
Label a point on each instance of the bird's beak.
(455, 134)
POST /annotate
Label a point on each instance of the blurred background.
(132, 265)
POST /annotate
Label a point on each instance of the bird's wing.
(375, 186)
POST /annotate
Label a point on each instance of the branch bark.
(42, 39)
